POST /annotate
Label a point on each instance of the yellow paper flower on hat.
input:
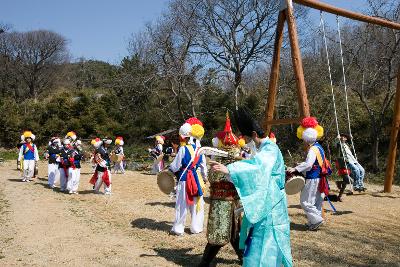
(300, 131)
(320, 131)
(197, 131)
(93, 141)
(27, 134)
(160, 139)
(241, 142)
(310, 123)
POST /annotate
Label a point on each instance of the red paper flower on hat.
(309, 122)
(271, 135)
(221, 135)
(229, 139)
(193, 121)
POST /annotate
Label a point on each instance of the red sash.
(72, 162)
(64, 167)
(191, 186)
(105, 178)
(30, 147)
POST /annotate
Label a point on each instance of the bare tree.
(36, 54)
(235, 34)
(168, 44)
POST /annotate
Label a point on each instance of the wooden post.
(274, 76)
(297, 63)
(391, 163)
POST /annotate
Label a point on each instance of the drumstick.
(290, 155)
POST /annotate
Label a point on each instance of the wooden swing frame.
(287, 14)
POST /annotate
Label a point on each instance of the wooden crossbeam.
(348, 14)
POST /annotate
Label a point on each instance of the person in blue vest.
(311, 198)
(191, 172)
(30, 156)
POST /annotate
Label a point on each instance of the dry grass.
(131, 227)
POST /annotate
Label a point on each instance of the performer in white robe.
(191, 172)
(30, 156)
(157, 153)
(102, 174)
(311, 198)
(53, 153)
(119, 152)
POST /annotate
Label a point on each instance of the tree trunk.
(375, 153)
(237, 84)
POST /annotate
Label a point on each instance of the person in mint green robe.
(260, 183)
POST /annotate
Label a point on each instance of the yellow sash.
(319, 156)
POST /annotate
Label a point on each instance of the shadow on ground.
(165, 204)
(15, 180)
(298, 227)
(183, 257)
(145, 223)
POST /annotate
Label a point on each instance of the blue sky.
(99, 29)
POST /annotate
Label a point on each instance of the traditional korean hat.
(272, 137)
(226, 138)
(309, 130)
(197, 130)
(67, 141)
(71, 135)
(107, 141)
(119, 141)
(27, 134)
(184, 130)
(55, 140)
(160, 139)
(97, 142)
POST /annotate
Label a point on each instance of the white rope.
(322, 24)
(330, 74)
(345, 87)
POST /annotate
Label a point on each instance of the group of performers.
(248, 204)
(253, 182)
(64, 161)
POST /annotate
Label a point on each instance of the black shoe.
(364, 189)
(315, 227)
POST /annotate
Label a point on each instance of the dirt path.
(41, 227)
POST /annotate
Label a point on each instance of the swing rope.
(345, 87)
(322, 25)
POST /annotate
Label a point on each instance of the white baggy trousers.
(181, 208)
(29, 169)
(53, 174)
(73, 179)
(311, 201)
(99, 182)
(63, 179)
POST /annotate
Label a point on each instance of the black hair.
(246, 123)
(345, 135)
